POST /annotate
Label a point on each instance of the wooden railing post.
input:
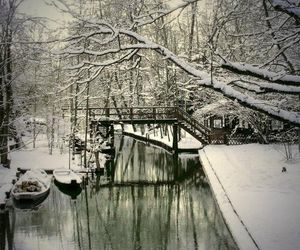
(107, 112)
(175, 137)
(131, 113)
(154, 113)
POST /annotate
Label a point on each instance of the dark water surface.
(156, 201)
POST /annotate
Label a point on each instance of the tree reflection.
(7, 222)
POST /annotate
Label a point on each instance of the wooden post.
(161, 132)
(131, 113)
(107, 112)
(112, 135)
(176, 165)
(91, 126)
(175, 136)
(154, 114)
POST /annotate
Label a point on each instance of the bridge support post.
(175, 136)
(176, 165)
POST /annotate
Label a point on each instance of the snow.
(64, 175)
(213, 106)
(265, 106)
(248, 179)
(187, 141)
(266, 74)
(38, 158)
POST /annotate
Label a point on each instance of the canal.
(157, 201)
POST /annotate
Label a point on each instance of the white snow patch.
(187, 141)
(265, 199)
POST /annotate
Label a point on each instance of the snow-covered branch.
(155, 14)
(128, 55)
(265, 87)
(252, 103)
(288, 7)
(247, 69)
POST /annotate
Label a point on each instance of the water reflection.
(147, 206)
(136, 163)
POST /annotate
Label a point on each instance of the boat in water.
(29, 205)
(67, 177)
(33, 185)
(72, 191)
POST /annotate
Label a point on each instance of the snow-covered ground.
(251, 189)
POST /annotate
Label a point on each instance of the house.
(226, 119)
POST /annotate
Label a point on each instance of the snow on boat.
(66, 177)
(33, 185)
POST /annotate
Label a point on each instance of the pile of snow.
(28, 186)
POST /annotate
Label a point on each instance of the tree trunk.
(3, 137)
(191, 37)
(6, 101)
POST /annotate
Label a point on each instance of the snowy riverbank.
(251, 189)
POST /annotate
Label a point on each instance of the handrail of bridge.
(181, 114)
(154, 112)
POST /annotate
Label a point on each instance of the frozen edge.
(240, 234)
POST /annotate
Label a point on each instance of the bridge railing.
(182, 115)
(133, 113)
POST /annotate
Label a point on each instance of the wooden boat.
(69, 190)
(33, 185)
(67, 177)
(27, 204)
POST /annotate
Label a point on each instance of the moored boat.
(67, 177)
(69, 190)
(33, 185)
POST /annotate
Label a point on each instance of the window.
(276, 125)
(217, 123)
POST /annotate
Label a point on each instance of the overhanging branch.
(249, 70)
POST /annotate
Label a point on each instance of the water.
(158, 201)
